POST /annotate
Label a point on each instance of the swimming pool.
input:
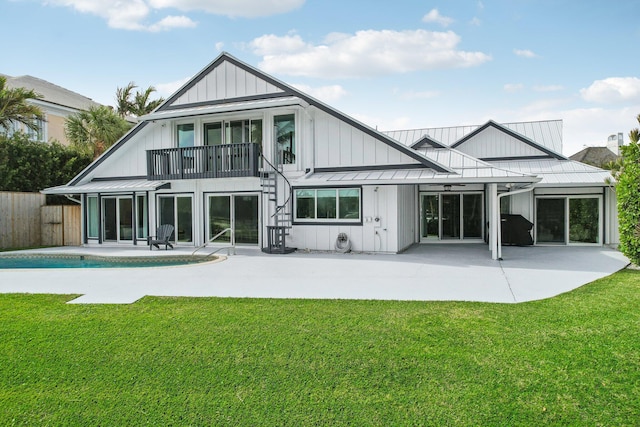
(20, 261)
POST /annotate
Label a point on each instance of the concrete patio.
(444, 272)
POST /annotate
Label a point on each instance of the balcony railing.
(215, 161)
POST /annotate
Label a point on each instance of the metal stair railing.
(228, 248)
(282, 216)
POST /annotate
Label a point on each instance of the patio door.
(451, 216)
(177, 210)
(569, 220)
(117, 225)
(238, 212)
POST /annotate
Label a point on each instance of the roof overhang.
(193, 110)
(402, 177)
(117, 186)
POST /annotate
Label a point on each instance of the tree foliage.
(628, 193)
(138, 104)
(95, 130)
(30, 166)
(15, 108)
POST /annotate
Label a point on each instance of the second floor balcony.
(214, 161)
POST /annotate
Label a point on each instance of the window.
(141, 217)
(235, 132)
(285, 126)
(327, 205)
(177, 211)
(92, 217)
(186, 135)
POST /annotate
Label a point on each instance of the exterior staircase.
(277, 189)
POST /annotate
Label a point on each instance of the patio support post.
(494, 220)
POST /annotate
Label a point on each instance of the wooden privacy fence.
(25, 221)
(61, 225)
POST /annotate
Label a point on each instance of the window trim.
(327, 221)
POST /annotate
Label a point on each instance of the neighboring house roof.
(546, 133)
(595, 156)
(559, 173)
(52, 93)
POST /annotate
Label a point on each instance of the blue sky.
(392, 65)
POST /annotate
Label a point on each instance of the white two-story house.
(235, 149)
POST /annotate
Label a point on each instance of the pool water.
(92, 261)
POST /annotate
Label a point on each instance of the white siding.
(493, 143)
(407, 216)
(340, 144)
(226, 81)
(371, 236)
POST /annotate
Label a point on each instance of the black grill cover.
(516, 230)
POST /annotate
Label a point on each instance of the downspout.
(499, 225)
(72, 199)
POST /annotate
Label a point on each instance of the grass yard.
(570, 360)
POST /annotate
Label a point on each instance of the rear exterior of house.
(241, 158)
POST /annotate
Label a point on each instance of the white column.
(494, 219)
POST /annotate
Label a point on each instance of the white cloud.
(365, 53)
(476, 22)
(323, 93)
(133, 14)
(231, 8)
(219, 46)
(513, 87)
(167, 89)
(171, 22)
(613, 90)
(434, 17)
(524, 53)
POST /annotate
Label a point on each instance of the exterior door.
(451, 216)
(177, 210)
(569, 220)
(238, 212)
(118, 219)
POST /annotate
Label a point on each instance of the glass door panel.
(472, 216)
(125, 218)
(167, 215)
(110, 219)
(550, 220)
(219, 217)
(246, 219)
(450, 216)
(141, 217)
(584, 220)
(185, 219)
(429, 224)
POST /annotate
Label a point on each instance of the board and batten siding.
(407, 216)
(339, 144)
(493, 143)
(224, 82)
(372, 236)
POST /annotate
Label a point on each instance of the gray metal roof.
(107, 187)
(546, 133)
(559, 173)
(52, 93)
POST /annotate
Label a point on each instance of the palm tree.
(139, 105)
(14, 107)
(123, 99)
(95, 130)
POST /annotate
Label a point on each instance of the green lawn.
(570, 360)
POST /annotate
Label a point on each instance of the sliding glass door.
(238, 212)
(118, 218)
(569, 220)
(451, 216)
(177, 210)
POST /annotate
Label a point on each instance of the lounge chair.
(163, 234)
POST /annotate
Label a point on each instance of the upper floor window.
(185, 135)
(285, 126)
(233, 132)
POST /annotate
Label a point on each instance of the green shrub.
(628, 192)
(31, 166)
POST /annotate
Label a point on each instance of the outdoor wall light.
(447, 187)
